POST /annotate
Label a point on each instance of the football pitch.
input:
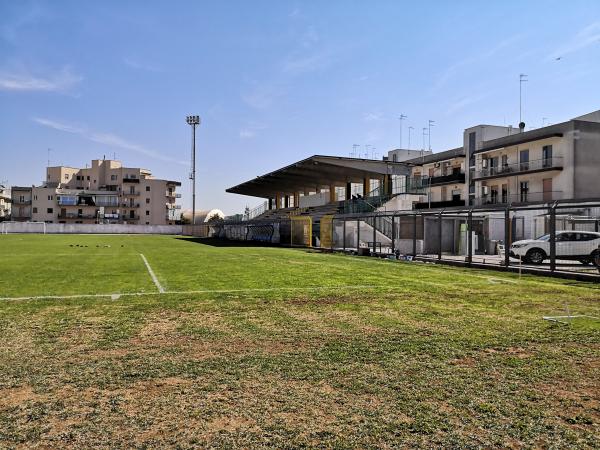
(165, 341)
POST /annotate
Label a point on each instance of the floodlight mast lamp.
(193, 121)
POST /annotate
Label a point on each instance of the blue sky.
(276, 81)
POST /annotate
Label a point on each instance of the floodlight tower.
(193, 121)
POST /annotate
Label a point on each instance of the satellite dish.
(522, 125)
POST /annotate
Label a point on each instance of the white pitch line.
(206, 291)
(151, 272)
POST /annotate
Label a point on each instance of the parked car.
(582, 246)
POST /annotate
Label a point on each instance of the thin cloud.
(464, 102)
(24, 82)
(372, 117)
(109, 139)
(251, 130)
(135, 64)
(586, 37)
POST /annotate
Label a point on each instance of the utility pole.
(401, 118)
(193, 121)
(409, 130)
(522, 79)
(429, 125)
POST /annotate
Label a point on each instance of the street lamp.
(194, 121)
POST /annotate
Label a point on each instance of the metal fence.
(477, 237)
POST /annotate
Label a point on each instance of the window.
(147, 223)
(88, 178)
(472, 149)
(547, 155)
(113, 177)
(34, 210)
(35, 197)
(523, 190)
(147, 212)
(147, 188)
(50, 197)
(524, 159)
(49, 210)
(147, 200)
(66, 176)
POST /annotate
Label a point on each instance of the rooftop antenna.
(355, 150)
(429, 125)
(49, 150)
(409, 130)
(544, 121)
(115, 156)
(522, 79)
(423, 147)
(367, 148)
(401, 118)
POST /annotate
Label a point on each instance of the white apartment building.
(106, 192)
(4, 202)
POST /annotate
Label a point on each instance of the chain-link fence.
(562, 237)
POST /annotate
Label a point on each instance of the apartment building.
(5, 198)
(440, 177)
(20, 203)
(556, 162)
(106, 192)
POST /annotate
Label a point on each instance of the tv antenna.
(401, 118)
(409, 130)
(522, 79)
(431, 123)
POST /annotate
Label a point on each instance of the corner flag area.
(160, 341)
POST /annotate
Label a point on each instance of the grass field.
(274, 347)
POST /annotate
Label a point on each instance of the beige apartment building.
(106, 192)
(556, 162)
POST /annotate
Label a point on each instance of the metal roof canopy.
(318, 171)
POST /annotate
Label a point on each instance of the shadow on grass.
(214, 242)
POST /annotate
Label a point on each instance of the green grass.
(375, 353)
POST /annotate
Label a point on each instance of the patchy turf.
(426, 356)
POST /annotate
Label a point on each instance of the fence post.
(440, 236)
(393, 234)
(344, 238)
(470, 237)
(507, 236)
(374, 235)
(414, 235)
(357, 235)
(332, 230)
(552, 237)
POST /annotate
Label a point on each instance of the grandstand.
(319, 187)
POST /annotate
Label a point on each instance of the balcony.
(523, 197)
(16, 201)
(130, 218)
(458, 177)
(76, 216)
(173, 195)
(130, 205)
(131, 180)
(131, 193)
(444, 204)
(171, 206)
(538, 165)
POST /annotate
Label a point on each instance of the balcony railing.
(523, 197)
(16, 201)
(173, 194)
(131, 180)
(442, 204)
(129, 218)
(129, 205)
(76, 216)
(172, 206)
(511, 169)
(135, 193)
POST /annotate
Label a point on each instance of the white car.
(582, 246)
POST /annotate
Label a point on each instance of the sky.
(277, 81)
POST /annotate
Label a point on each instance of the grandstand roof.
(318, 171)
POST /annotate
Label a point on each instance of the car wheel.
(596, 258)
(535, 256)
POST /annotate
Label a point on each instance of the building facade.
(5, 202)
(106, 192)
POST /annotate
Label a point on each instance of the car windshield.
(545, 237)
